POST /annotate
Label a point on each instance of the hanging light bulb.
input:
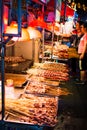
(5, 17)
(34, 33)
(13, 29)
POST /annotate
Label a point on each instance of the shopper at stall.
(82, 51)
(74, 39)
(76, 36)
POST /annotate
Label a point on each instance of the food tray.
(13, 122)
(43, 80)
(39, 88)
(18, 80)
(42, 111)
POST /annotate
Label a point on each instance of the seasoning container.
(9, 83)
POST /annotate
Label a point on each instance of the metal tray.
(11, 117)
(52, 92)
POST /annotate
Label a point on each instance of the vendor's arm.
(84, 50)
(66, 35)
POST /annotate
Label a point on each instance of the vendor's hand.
(81, 56)
(72, 45)
(60, 34)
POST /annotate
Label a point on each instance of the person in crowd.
(66, 29)
(77, 33)
(66, 32)
(82, 51)
(75, 38)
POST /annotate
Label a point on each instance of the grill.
(18, 68)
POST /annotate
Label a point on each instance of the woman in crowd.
(78, 34)
(82, 51)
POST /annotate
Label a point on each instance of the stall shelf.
(4, 124)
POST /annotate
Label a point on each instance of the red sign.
(67, 10)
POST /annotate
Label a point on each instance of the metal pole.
(43, 38)
(65, 5)
(33, 50)
(2, 78)
(52, 41)
(2, 60)
(43, 45)
(19, 17)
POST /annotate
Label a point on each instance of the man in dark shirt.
(76, 36)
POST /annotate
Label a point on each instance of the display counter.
(32, 99)
(25, 108)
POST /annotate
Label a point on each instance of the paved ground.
(73, 108)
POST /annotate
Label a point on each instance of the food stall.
(29, 95)
(35, 112)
